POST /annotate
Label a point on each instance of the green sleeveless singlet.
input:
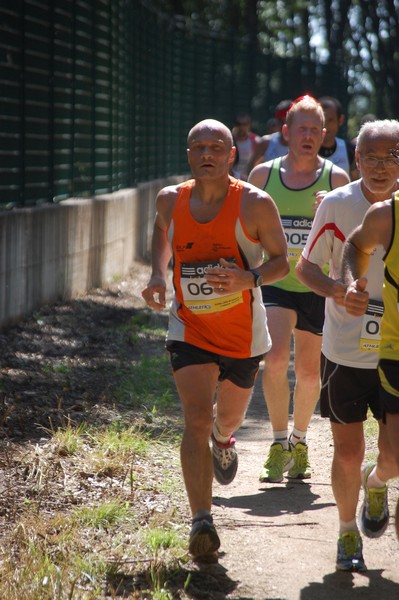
(296, 211)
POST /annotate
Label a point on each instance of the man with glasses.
(350, 383)
(294, 181)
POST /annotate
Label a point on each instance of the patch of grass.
(48, 563)
(77, 503)
(121, 440)
(102, 515)
(58, 369)
(69, 440)
(64, 555)
(143, 325)
(160, 538)
(148, 383)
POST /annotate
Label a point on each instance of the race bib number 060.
(198, 295)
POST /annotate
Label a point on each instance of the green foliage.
(148, 383)
(162, 538)
(102, 515)
(359, 35)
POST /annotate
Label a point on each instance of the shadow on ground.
(370, 585)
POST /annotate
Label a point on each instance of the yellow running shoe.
(350, 552)
(374, 514)
(278, 461)
(300, 468)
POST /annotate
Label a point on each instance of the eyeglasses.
(373, 162)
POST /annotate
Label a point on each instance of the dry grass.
(87, 509)
(92, 502)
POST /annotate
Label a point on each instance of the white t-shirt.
(245, 150)
(347, 340)
(340, 156)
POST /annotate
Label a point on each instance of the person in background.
(216, 229)
(294, 181)
(273, 125)
(350, 383)
(380, 227)
(272, 145)
(367, 118)
(245, 142)
(339, 151)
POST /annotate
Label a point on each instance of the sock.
(281, 437)
(373, 481)
(347, 526)
(202, 514)
(218, 436)
(297, 436)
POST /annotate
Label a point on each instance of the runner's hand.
(357, 298)
(229, 278)
(155, 292)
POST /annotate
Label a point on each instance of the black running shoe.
(204, 540)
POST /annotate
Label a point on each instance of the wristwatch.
(258, 279)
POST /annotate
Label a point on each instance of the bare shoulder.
(167, 196)
(380, 213)
(339, 177)
(165, 202)
(168, 193)
(376, 228)
(259, 174)
(255, 201)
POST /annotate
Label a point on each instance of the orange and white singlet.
(232, 325)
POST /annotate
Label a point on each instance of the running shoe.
(300, 468)
(278, 461)
(350, 552)
(374, 514)
(225, 460)
(204, 540)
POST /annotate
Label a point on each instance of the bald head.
(211, 126)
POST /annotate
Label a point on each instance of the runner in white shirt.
(350, 344)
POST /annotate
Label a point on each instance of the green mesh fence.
(99, 96)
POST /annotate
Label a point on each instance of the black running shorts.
(389, 391)
(348, 392)
(309, 307)
(240, 371)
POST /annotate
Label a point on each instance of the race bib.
(370, 336)
(296, 231)
(198, 295)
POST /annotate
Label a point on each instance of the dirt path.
(279, 540)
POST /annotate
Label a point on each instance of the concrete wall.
(58, 251)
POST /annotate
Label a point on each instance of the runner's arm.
(375, 230)
(312, 275)
(155, 292)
